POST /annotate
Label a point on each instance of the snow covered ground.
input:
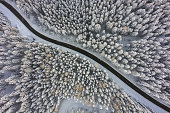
(24, 31)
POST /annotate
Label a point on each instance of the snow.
(70, 40)
(24, 31)
(68, 105)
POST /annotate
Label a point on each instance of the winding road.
(104, 64)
